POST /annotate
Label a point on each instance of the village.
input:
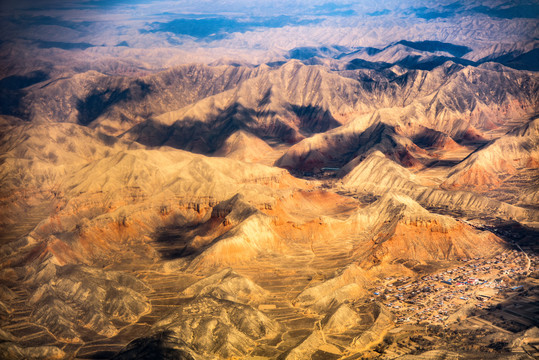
(435, 298)
(488, 296)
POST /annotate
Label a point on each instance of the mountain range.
(268, 182)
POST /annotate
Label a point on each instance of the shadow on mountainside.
(205, 137)
(97, 102)
(174, 242)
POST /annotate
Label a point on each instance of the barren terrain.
(273, 182)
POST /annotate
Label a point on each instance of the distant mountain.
(452, 101)
(434, 46)
(418, 55)
(517, 60)
(114, 104)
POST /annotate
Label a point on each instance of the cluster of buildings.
(476, 283)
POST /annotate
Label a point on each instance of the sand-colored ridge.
(228, 285)
(487, 167)
(401, 181)
(245, 147)
(403, 229)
